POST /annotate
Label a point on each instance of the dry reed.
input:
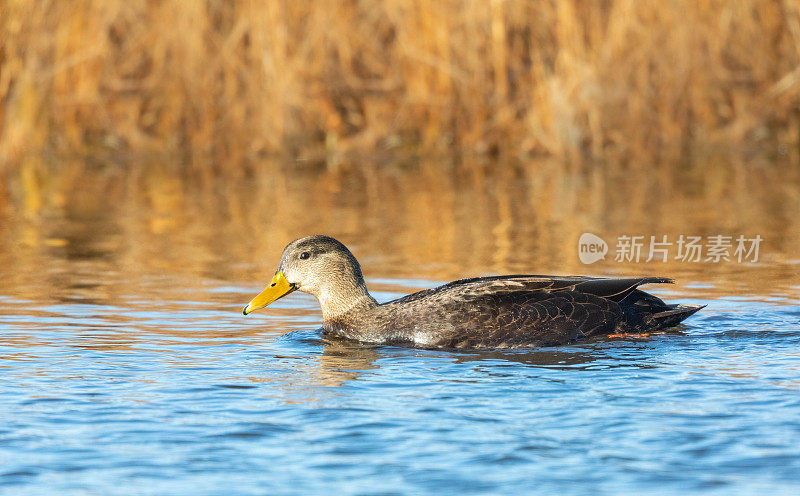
(221, 82)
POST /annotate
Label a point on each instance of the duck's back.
(521, 311)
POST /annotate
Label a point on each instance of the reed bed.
(643, 81)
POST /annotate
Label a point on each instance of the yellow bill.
(278, 288)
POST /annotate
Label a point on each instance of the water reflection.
(332, 363)
(341, 362)
(81, 233)
(576, 358)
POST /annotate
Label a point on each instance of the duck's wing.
(609, 288)
(514, 311)
(510, 319)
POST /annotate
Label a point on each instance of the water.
(127, 367)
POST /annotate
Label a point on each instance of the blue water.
(183, 395)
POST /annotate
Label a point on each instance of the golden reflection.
(340, 363)
(98, 235)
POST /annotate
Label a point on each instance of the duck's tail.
(645, 312)
(672, 317)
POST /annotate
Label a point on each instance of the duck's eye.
(304, 255)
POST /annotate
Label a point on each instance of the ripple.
(148, 396)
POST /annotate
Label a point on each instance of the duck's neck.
(337, 303)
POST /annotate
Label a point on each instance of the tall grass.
(640, 80)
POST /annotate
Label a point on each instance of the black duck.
(484, 312)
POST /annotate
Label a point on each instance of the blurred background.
(437, 138)
(640, 82)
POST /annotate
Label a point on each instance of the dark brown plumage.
(487, 312)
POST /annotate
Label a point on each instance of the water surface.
(127, 367)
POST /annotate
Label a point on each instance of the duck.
(494, 312)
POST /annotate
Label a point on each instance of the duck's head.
(319, 265)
